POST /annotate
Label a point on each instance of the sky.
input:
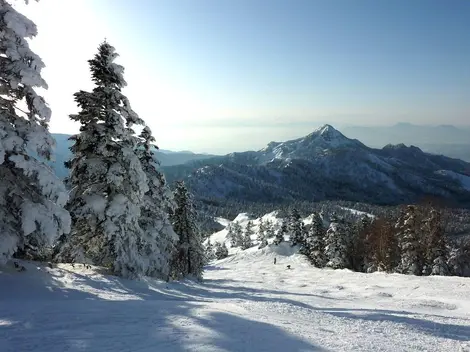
(219, 76)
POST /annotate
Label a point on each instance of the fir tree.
(280, 233)
(315, 246)
(221, 250)
(270, 233)
(210, 254)
(262, 234)
(360, 230)
(382, 253)
(336, 244)
(106, 178)
(236, 236)
(189, 258)
(435, 256)
(247, 235)
(159, 240)
(231, 235)
(295, 228)
(32, 199)
(411, 255)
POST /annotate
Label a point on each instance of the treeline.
(456, 221)
(412, 242)
(119, 212)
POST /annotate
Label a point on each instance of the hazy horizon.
(214, 76)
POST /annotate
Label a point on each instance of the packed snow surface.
(246, 303)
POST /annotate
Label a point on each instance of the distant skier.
(274, 260)
(288, 267)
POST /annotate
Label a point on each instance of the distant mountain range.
(324, 165)
(443, 139)
(165, 157)
(327, 165)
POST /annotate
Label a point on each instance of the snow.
(242, 219)
(358, 212)
(463, 179)
(246, 303)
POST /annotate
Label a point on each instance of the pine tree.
(262, 234)
(337, 244)
(315, 245)
(189, 258)
(459, 259)
(221, 250)
(435, 256)
(236, 235)
(107, 181)
(280, 233)
(159, 240)
(360, 230)
(231, 235)
(32, 199)
(411, 255)
(295, 228)
(210, 253)
(270, 233)
(247, 235)
(381, 247)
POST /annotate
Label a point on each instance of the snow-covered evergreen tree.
(270, 232)
(158, 243)
(249, 231)
(295, 228)
(337, 244)
(281, 232)
(210, 252)
(408, 239)
(235, 234)
(108, 184)
(262, 234)
(32, 199)
(189, 258)
(315, 242)
(459, 259)
(436, 256)
(221, 250)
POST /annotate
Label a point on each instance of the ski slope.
(246, 303)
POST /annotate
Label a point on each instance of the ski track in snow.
(246, 303)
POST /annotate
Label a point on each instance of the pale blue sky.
(220, 75)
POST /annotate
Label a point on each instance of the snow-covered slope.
(463, 179)
(246, 303)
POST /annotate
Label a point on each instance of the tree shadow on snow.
(214, 267)
(429, 327)
(137, 326)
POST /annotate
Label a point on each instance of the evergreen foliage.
(32, 199)
(158, 242)
(337, 244)
(189, 258)
(315, 242)
(408, 238)
(106, 179)
(263, 233)
(221, 250)
(246, 243)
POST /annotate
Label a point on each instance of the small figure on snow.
(274, 260)
(288, 267)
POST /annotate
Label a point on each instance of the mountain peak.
(327, 133)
